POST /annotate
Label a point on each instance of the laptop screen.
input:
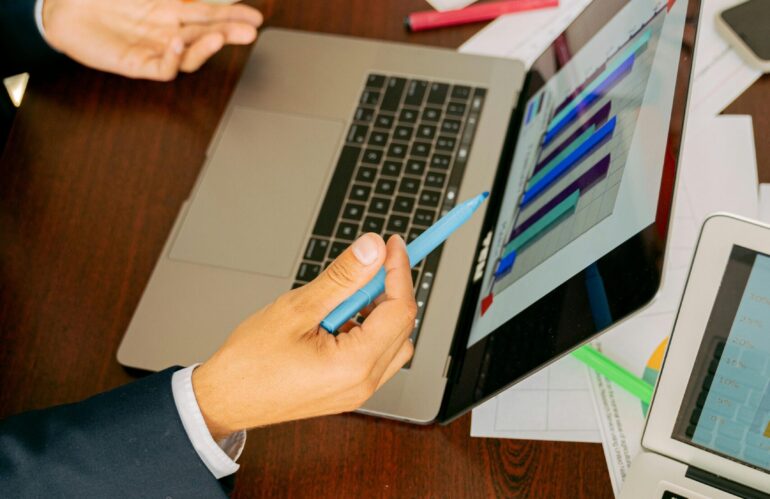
(726, 406)
(576, 227)
(586, 173)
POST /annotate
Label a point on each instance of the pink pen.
(420, 21)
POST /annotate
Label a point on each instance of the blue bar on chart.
(582, 184)
(505, 265)
(612, 75)
(533, 109)
(568, 162)
(597, 119)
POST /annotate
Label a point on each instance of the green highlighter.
(605, 366)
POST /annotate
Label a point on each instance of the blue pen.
(417, 250)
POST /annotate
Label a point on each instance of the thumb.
(356, 266)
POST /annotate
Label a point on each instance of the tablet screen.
(577, 221)
(726, 406)
(587, 168)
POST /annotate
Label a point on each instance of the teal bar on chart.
(638, 44)
(543, 224)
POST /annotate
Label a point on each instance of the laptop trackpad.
(258, 194)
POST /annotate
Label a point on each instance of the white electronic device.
(708, 430)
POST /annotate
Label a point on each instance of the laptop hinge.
(724, 484)
(446, 366)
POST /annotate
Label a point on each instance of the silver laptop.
(328, 137)
(708, 431)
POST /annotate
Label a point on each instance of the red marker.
(430, 19)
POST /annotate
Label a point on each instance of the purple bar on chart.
(505, 265)
(597, 119)
(583, 183)
(579, 89)
(604, 87)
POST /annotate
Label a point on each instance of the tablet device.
(708, 431)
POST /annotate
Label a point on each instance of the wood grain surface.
(93, 175)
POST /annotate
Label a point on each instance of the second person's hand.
(150, 39)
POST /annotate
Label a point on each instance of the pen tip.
(485, 195)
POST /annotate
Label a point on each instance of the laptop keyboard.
(398, 172)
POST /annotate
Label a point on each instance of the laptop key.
(413, 233)
(455, 109)
(360, 193)
(451, 126)
(370, 97)
(385, 186)
(335, 195)
(421, 149)
(408, 116)
(440, 161)
(391, 168)
(461, 92)
(379, 206)
(394, 89)
(415, 167)
(446, 143)
(353, 211)
(397, 151)
(438, 93)
(372, 156)
(415, 93)
(403, 132)
(347, 231)
(366, 174)
(337, 249)
(426, 132)
(409, 185)
(424, 217)
(378, 139)
(384, 121)
(435, 180)
(431, 114)
(403, 204)
(375, 81)
(364, 114)
(357, 134)
(398, 224)
(316, 250)
(373, 224)
(308, 271)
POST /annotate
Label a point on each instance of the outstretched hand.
(279, 365)
(150, 39)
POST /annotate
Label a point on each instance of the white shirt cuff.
(219, 457)
(39, 18)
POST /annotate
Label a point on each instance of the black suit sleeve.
(128, 442)
(22, 47)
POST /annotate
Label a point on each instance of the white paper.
(449, 4)
(534, 409)
(718, 172)
(524, 35)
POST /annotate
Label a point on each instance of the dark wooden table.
(93, 175)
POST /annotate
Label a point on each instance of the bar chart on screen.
(575, 177)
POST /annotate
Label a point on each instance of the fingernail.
(365, 249)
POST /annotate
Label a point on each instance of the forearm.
(130, 438)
